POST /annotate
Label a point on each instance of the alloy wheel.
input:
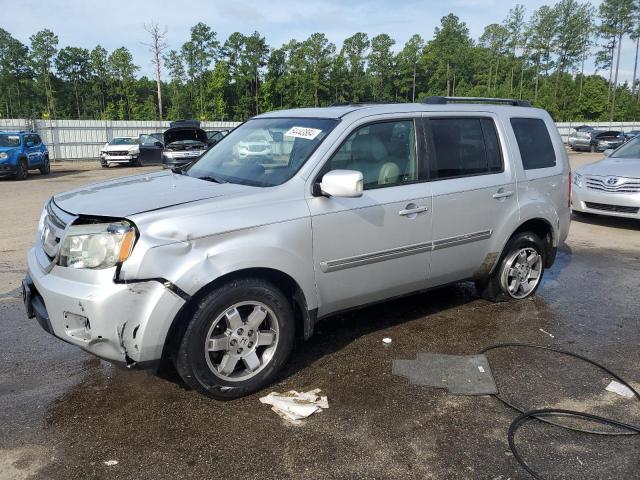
(241, 341)
(522, 272)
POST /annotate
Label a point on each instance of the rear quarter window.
(534, 142)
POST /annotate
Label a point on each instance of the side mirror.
(158, 144)
(342, 183)
(608, 152)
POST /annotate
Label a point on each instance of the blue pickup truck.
(20, 152)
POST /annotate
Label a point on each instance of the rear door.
(475, 204)
(378, 245)
(150, 149)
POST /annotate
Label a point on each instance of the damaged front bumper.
(122, 323)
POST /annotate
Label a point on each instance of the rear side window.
(462, 147)
(536, 149)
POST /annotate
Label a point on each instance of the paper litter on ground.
(620, 389)
(294, 406)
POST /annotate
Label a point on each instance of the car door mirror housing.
(608, 152)
(342, 183)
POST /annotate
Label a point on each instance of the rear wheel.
(45, 169)
(240, 336)
(519, 272)
(22, 171)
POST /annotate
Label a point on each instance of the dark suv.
(20, 152)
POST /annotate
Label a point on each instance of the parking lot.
(64, 413)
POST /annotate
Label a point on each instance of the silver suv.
(220, 265)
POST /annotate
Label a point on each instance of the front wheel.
(238, 339)
(519, 272)
(22, 171)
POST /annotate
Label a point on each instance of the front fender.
(193, 264)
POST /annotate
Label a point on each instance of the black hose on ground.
(540, 414)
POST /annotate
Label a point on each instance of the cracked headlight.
(97, 245)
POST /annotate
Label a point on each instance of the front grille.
(256, 148)
(624, 185)
(117, 154)
(611, 208)
(55, 223)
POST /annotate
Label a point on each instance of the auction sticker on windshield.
(303, 132)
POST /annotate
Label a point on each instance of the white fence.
(82, 139)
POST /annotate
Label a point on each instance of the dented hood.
(142, 193)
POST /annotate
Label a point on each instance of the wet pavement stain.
(79, 412)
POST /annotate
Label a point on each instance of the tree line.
(539, 55)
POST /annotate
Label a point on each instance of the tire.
(23, 170)
(104, 164)
(45, 169)
(218, 352)
(592, 149)
(514, 278)
(135, 162)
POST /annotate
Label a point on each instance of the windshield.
(9, 140)
(263, 152)
(124, 141)
(631, 149)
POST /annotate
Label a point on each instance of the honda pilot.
(219, 266)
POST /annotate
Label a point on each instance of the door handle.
(502, 194)
(413, 211)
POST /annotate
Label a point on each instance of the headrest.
(368, 148)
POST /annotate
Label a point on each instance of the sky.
(116, 23)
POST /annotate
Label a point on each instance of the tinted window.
(37, 140)
(461, 147)
(384, 152)
(536, 149)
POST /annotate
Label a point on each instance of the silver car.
(219, 266)
(612, 185)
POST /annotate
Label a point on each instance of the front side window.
(462, 147)
(536, 149)
(263, 152)
(384, 152)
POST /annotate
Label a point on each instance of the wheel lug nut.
(250, 332)
(250, 344)
(240, 350)
(240, 331)
(233, 342)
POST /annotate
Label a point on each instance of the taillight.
(570, 187)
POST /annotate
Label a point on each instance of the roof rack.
(438, 100)
(360, 104)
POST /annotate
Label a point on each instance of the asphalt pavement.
(64, 413)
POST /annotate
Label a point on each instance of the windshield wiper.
(210, 178)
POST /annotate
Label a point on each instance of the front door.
(378, 245)
(474, 195)
(150, 149)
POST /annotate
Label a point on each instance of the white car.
(256, 146)
(121, 150)
(610, 186)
